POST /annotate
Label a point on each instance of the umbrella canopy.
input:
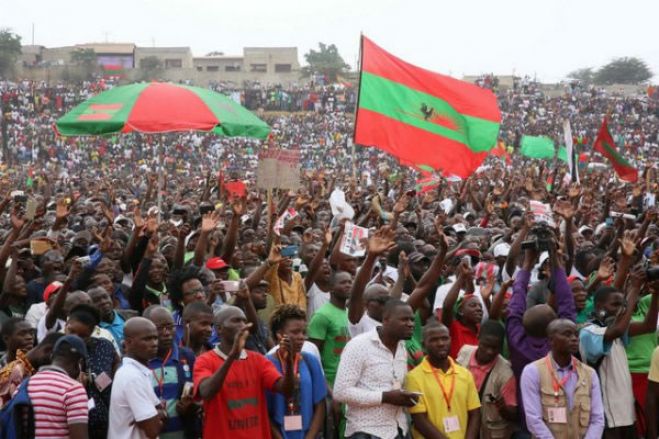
(158, 107)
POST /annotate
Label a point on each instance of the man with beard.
(575, 409)
(371, 374)
(448, 404)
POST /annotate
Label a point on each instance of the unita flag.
(423, 118)
(605, 145)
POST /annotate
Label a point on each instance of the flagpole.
(359, 92)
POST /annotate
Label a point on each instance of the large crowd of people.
(223, 311)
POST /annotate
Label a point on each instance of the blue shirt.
(312, 390)
(180, 330)
(168, 380)
(116, 328)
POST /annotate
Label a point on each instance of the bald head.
(226, 313)
(138, 325)
(375, 290)
(140, 339)
(537, 318)
(559, 325)
(155, 311)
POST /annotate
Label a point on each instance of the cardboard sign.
(279, 168)
(351, 243)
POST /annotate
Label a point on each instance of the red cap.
(468, 252)
(216, 264)
(53, 287)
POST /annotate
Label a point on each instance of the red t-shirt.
(460, 336)
(239, 409)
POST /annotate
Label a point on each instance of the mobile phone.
(187, 389)
(230, 286)
(609, 222)
(289, 251)
(206, 208)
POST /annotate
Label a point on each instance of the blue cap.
(71, 344)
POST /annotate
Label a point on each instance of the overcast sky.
(548, 38)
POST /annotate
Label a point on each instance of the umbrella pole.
(160, 180)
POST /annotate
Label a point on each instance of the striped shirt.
(58, 402)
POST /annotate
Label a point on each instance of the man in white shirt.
(371, 374)
(135, 410)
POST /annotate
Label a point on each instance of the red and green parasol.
(160, 108)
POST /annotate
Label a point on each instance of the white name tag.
(293, 423)
(451, 424)
(557, 415)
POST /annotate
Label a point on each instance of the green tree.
(10, 50)
(623, 71)
(326, 61)
(151, 67)
(86, 59)
(585, 75)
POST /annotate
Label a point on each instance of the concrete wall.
(202, 79)
(184, 54)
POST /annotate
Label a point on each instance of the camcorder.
(541, 238)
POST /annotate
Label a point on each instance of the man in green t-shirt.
(639, 354)
(328, 328)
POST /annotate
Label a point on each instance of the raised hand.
(152, 246)
(137, 217)
(151, 225)
(239, 341)
(209, 221)
(238, 206)
(628, 243)
(17, 221)
(275, 257)
(574, 190)
(381, 241)
(565, 209)
(327, 237)
(606, 269)
(403, 265)
(401, 204)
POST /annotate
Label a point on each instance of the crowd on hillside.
(229, 313)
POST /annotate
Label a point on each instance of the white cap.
(543, 257)
(459, 228)
(501, 249)
(584, 228)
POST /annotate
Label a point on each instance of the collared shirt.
(133, 400)
(116, 327)
(368, 368)
(464, 398)
(168, 380)
(530, 388)
(284, 292)
(480, 371)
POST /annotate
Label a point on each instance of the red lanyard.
(556, 384)
(292, 403)
(296, 363)
(161, 380)
(447, 396)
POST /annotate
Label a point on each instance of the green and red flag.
(421, 117)
(605, 145)
(158, 107)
